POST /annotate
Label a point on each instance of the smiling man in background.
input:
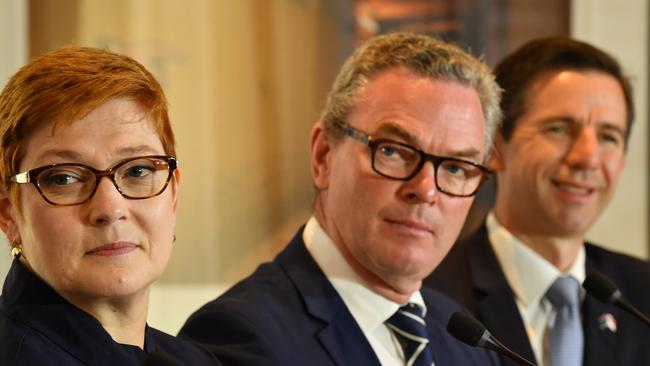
(568, 114)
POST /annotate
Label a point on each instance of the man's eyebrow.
(612, 126)
(560, 118)
(394, 130)
(469, 153)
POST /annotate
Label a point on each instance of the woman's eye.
(60, 179)
(57, 177)
(138, 171)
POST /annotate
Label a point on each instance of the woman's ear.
(319, 154)
(8, 216)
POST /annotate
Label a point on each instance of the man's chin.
(414, 267)
(572, 225)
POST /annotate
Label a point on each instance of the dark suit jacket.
(39, 327)
(288, 313)
(471, 275)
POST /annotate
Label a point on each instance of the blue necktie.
(566, 338)
(408, 326)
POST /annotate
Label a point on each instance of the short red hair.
(65, 85)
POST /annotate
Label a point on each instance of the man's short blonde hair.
(423, 55)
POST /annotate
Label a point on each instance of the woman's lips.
(113, 249)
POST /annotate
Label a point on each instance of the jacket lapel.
(600, 341)
(599, 324)
(438, 344)
(495, 301)
(339, 335)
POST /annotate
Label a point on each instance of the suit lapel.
(495, 301)
(493, 292)
(344, 347)
(438, 343)
(339, 335)
(600, 341)
(600, 344)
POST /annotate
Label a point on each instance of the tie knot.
(411, 317)
(408, 326)
(564, 291)
(413, 309)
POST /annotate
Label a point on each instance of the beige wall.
(245, 85)
(621, 27)
(13, 48)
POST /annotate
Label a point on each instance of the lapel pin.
(607, 321)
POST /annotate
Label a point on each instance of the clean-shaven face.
(398, 231)
(109, 246)
(560, 168)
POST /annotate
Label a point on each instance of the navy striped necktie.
(408, 326)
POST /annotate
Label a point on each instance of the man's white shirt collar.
(528, 273)
(368, 308)
(530, 276)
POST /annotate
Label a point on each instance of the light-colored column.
(621, 28)
(13, 48)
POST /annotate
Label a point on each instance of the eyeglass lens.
(400, 162)
(73, 183)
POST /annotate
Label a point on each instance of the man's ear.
(496, 159)
(8, 216)
(319, 153)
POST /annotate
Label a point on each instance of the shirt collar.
(368, 308)
(529, 274)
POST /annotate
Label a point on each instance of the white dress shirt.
(369, 309)
(530, 276)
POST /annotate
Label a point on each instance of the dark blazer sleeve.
(285, 313)
(23, 346)
(244, 326)
(232, 336)
(13, 338)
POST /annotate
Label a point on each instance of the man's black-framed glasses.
(70, 184)
(396, 160)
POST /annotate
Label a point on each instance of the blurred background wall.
(246, 81)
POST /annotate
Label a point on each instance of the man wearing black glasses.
(568, 113)
(396, 159)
